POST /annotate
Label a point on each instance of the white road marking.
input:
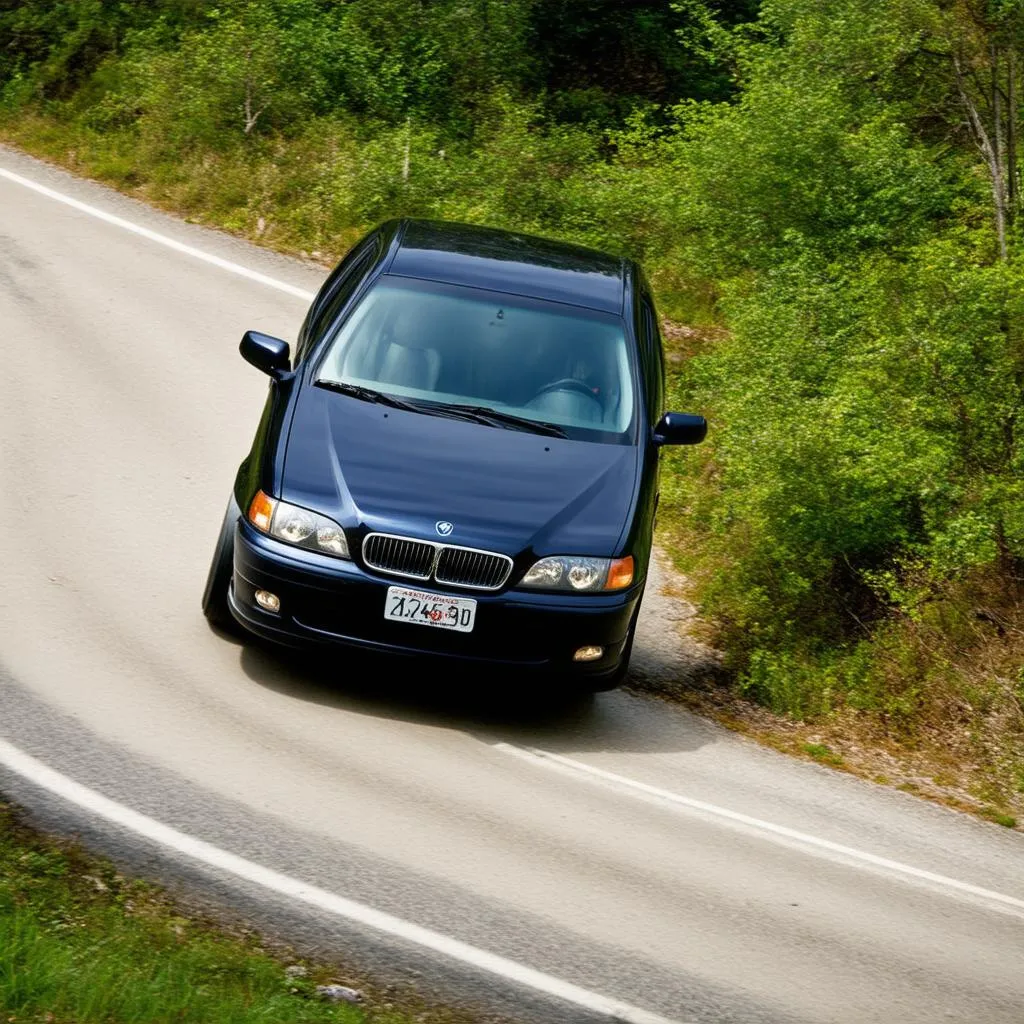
(155, 236)
(205, 853)
(623, 784)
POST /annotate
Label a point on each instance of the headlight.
(297, 526)
(572, 572)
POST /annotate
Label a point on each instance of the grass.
(315, 193)
(823, 753)
(81, 943)
(999, 817)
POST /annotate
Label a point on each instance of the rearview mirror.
(680, 428)
(271, 355)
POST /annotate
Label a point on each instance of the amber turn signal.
(620, 573)
(261, 512)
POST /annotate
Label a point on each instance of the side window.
(655, 355)
(336, 293)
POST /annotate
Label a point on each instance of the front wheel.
(218, 580)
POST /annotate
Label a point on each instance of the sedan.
(459, 461)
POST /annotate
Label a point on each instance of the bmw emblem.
(444, 528)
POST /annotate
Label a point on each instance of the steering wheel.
(566, 384)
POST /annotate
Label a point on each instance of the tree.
(250, 67)
(983, 39)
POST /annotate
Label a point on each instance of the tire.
(218, 580)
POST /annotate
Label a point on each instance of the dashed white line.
(147, 828)
(792, 837)
(155, 236)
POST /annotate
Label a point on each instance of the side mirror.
(680, 428)
(271, 355)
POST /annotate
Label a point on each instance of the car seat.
(410, 366)
(410, 356)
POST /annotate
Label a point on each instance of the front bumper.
(326, 601)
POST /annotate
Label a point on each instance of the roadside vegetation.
(81, 943)
(827, 196)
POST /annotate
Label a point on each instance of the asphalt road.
(622, 850)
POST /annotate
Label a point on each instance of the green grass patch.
(823, 753)
(999, 817)
(80, 943)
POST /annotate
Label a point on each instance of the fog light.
(267, 601)
(588, 654)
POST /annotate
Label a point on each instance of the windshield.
(542, 361)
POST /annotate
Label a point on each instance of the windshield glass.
(543, 361)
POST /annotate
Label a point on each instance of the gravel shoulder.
(671, 663)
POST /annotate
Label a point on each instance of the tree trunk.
(997, 116)
(251, 115)
(988, 151)
(1011, 134)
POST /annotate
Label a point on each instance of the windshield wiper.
(477, 413)
(494, 418)
(368, 395)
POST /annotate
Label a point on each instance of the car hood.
(503, 490)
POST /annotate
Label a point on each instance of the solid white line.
(621, 783)
(155, 236)
(196, 849)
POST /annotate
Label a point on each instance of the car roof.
(510, 262)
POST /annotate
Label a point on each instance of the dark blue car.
(460, 461)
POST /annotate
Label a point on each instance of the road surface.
(616, 860)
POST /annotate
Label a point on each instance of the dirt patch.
(667, 658)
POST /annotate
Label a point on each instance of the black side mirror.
(680, 428)
(271, 355)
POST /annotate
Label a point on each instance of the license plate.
(426, 609)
